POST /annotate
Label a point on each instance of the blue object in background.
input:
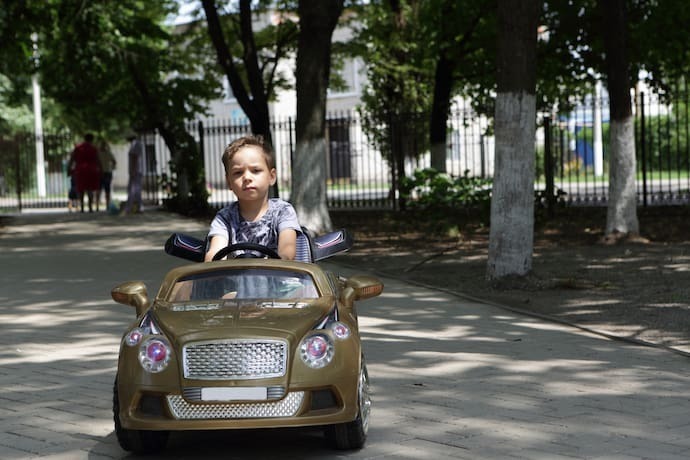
(583, 148)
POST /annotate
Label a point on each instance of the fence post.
(292, 144)
(548, 168)
(396, 199)
(643, 149)
(18, 180)
(200, 130)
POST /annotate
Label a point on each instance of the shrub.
(429, 189)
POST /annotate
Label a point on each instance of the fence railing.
(365, 161)
(574, 165)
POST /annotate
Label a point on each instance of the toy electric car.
(243, 343)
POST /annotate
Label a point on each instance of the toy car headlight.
(316, 351)
(133, 337)
(340, 330)
(154, 354)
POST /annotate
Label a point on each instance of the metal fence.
(365, 161)
(573, 161)
(21, 185)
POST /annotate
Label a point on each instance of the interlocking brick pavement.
(452, 378)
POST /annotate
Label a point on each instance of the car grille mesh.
(287, 407)
(235, 359)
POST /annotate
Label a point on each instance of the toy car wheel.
(352, 435)
(137, 441)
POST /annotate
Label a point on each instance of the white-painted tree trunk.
(511, 236)
(309, 185)
(621, 215)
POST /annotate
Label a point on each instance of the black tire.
(137, 441)
(352, 435)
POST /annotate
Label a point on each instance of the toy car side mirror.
(360, 287)
(132, 293)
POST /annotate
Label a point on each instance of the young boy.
(253, 218)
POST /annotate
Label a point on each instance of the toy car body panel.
(243, 343)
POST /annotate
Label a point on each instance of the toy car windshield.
(244, 284)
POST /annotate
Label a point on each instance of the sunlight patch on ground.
(101, 349)
(469, 317)
(503, 317)
(450, 332)
(670, 305)
(393, 295)
(56, 315)
(592, 302)
(430, 299)
(452, 366)
(678, 267)
(541, 326)
(372, 322)
(598, 267)
(583, 311)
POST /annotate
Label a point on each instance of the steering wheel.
(270, 253)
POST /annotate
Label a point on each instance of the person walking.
(86, 169)
(136, 173)
(108, 164)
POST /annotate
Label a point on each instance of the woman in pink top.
(86, 169)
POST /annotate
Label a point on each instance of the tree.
(396, 102)
(318, 19)
(512, 201)
(621, 215)
(113, 65)
(459, 32)
(18, 62)
(420, 55)
(616, 39)
(251, 69)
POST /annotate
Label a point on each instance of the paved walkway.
(451, 378)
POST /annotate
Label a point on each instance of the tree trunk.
(253, 101)
(318, 19)
(438, 130)
(621, 215)
(512, 203)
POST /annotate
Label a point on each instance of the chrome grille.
(235, 359)
(287, 407)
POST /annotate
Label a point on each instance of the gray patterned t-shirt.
(231, 225)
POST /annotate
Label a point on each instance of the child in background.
(253, 218)
(72, 195)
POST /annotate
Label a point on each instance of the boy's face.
(249, 176)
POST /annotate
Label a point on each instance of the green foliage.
(399, 75)
(666, 146)
(431, 190)
(118, 66)
(571, 53)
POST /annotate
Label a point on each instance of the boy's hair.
(245, 141)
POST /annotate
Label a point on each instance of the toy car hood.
(190, 321)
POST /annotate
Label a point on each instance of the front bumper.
(153, 409)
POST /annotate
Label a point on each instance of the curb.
(550, 318)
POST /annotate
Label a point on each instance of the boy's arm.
(287, 244)
(216, 244)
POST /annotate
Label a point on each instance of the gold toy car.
(243, 343)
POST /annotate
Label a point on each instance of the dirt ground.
(638, 290)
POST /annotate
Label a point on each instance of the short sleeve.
(218, 228)
(225, 222)
(287, 218)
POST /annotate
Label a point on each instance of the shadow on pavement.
(452, 378)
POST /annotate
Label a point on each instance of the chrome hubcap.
(364, 398)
